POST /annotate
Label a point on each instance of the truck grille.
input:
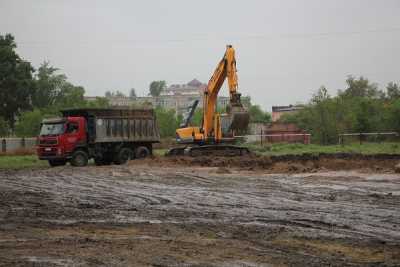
(48, 142)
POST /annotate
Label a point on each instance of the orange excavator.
(216, 135)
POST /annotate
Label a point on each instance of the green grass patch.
(295, 149)
(19, 162)
(159, 152)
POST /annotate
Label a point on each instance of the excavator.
(216, 135)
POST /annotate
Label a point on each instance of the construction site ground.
(252, 211)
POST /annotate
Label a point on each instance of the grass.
(295, 149)
(159, 152)
(21, 161)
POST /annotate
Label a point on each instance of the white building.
(177, 96)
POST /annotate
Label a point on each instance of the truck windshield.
(52, 129)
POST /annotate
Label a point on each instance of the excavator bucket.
(238, 115)
(239, 118)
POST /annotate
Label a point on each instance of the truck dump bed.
(118, 124)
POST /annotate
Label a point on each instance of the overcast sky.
(286, 49)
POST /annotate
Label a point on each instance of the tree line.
(360, 108)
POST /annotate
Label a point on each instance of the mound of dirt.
(287, 163)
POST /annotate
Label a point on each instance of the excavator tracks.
(209, 150)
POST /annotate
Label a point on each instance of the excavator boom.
(237, 115)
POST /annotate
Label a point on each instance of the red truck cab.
(59, 138)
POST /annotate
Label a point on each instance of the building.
(278, 111)
(177, 97)
(277, 132)
(285, 133)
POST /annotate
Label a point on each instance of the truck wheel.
(79, 158)
(57, 162)
(142, 152)
(123, 156)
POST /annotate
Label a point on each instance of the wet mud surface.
(170, 212)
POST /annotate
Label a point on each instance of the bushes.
(360, 108)
(29, 123)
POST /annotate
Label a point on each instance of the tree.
(48, 86)
(108, 94)
(360, 108)
(117, 93)
(393, 90)
(28, 124)
(361, 88)
(16, 81)
(258, 115)
(167, 122)
(156, 87)
(70, 96)
(100, 102)
(4, 129)
(132, 93)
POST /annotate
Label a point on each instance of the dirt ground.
(253, 211)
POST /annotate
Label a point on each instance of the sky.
(285, 49)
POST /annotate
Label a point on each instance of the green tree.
(16, 81)
(4, 128)
(361, 88)
(70, 96)
(108, 94)
(132, 93)
(100, 102)
(156, 87)
(116, 93)
(393, 115)
(258, 115)
(48, 86)
(28, 124)
(393, 90)
(360, 108)
(167, 122)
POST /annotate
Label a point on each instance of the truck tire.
(123, 155)
(57, 162)
(79, 158)
(142, 152)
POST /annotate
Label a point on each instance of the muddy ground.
(251, 211)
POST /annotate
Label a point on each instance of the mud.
(383, 163)
(177, 212)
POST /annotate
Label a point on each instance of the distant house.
(177, 97)
(285, 133)
(277, 132)
(278, 111)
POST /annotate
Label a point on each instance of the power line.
(232, 38)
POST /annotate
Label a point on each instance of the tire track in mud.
(119, 194)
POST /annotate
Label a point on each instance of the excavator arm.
(226, 69)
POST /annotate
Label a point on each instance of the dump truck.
(107, 135)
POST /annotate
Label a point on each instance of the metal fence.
(9, 145)
(277, 138)
(369, 137)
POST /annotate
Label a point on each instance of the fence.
(377, 137)
(10, 145)
(278, 138)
